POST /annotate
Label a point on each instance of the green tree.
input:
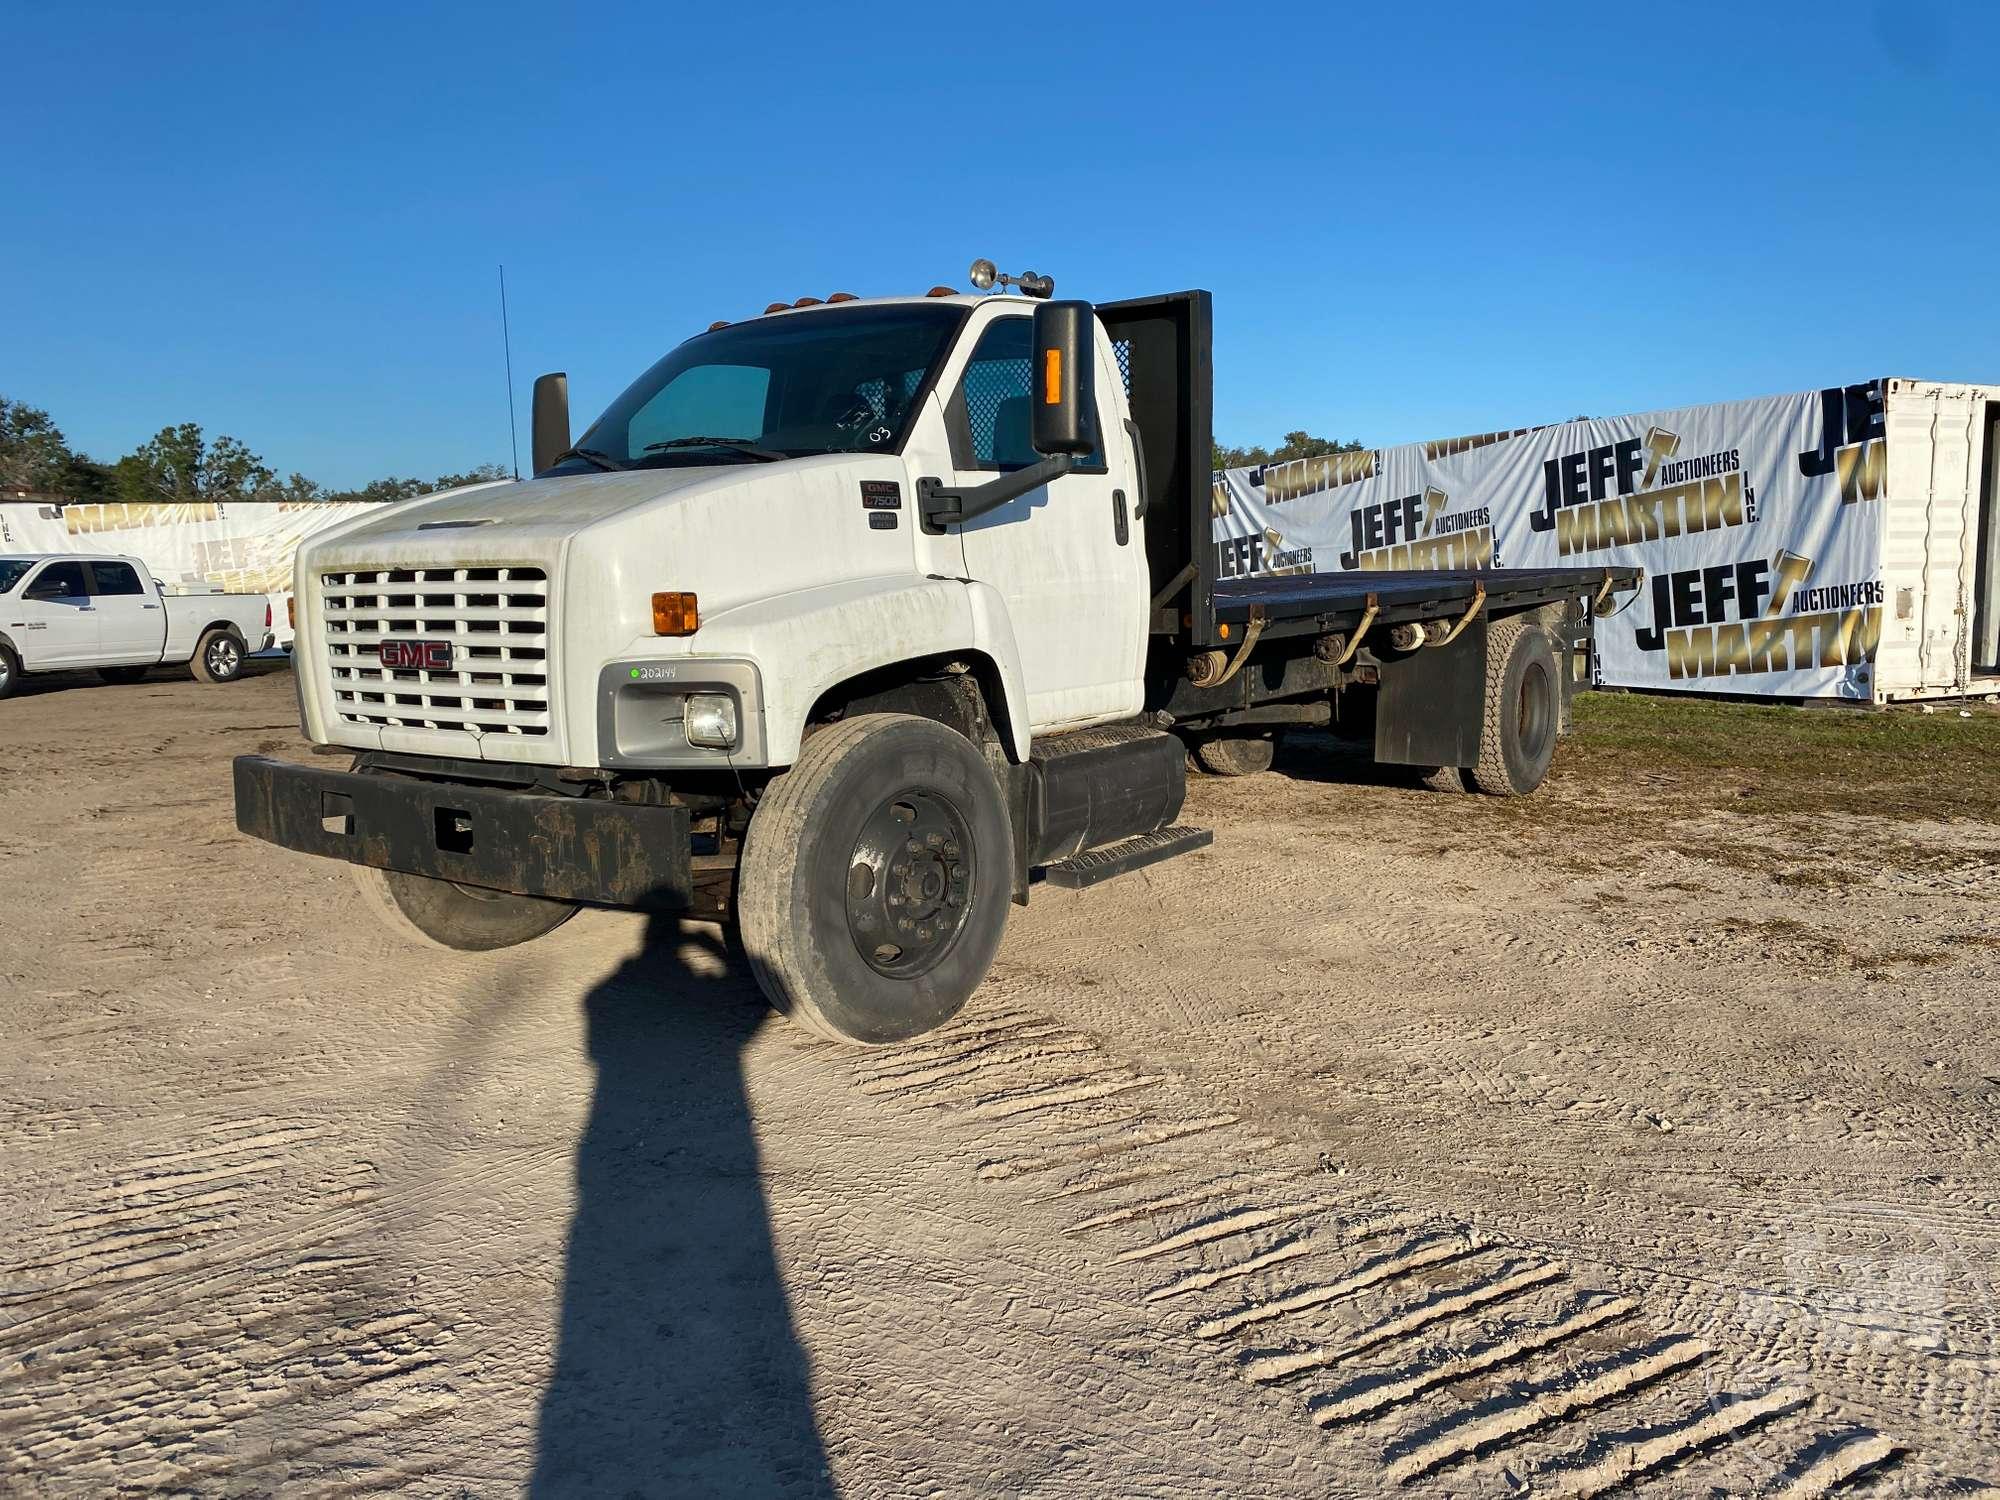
(1295, 445)
(179, 464)
(34, 455)
(408, 489)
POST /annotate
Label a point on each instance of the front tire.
(218, 656)
(10, 671)
(875, 879)
(444, 914)
(1517, 739)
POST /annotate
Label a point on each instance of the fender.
(807, 641)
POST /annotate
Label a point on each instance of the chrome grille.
(497, 620)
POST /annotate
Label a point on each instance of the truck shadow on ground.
(1313, 755)
(677, 1369)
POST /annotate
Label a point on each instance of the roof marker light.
(843, 297)
(942, 291)
(778, 307)
(807, 302)
(718, 323)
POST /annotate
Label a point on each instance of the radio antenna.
(507, 342)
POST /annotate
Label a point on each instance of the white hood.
(541, 509)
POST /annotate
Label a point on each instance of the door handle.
(1119, 525)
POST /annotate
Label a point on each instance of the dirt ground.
(1639, 1136)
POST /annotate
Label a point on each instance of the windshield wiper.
(591, 456)
(736, 445)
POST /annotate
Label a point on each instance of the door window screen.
(990, 412)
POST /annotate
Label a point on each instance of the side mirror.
(1064, 403)
(551, 419)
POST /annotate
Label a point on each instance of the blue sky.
(283, 221)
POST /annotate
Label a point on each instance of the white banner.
(243, 548)
(1755, 523)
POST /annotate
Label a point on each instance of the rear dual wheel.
(1523, 709)
(1236, 754)
(1519, 718)
(875, 879)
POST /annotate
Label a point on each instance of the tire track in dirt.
(1398, 1330)
(220, 1296)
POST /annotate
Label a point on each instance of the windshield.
(11, 569)
(776, 387)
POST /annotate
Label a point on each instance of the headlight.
(711, 720)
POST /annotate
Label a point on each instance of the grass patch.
(1771, 759)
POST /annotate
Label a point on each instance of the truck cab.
(851, 623)
(788, 540)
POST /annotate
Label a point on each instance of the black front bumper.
(567, 848)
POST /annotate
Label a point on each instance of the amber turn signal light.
(675, 614)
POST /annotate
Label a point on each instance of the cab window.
(988, 416)
(705, 400)
(62, 580)
(115, 578)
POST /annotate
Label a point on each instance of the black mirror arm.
(940, 506)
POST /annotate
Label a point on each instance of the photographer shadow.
(677, 1370)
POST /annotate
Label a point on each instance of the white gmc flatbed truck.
(68, 614)
(848, 623)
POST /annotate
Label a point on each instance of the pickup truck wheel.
(122, 674)
(1523, 703)
(875, 879)
(218, 656)
(10, 671)
(450, 915)
(1236, 754)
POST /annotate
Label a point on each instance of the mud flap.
(1431, 701)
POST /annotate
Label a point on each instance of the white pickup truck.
(66, 614)
(851, 623)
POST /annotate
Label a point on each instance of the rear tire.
(442, 913)
(218, 656)
(875, 879)
(1517, 738)
(1236, 754)
(1452, 779)
(10, 671)
(122, 674)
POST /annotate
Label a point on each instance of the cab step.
(1095, 865)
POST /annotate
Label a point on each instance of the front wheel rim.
(910, 883)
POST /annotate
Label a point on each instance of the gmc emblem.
(416, 656)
